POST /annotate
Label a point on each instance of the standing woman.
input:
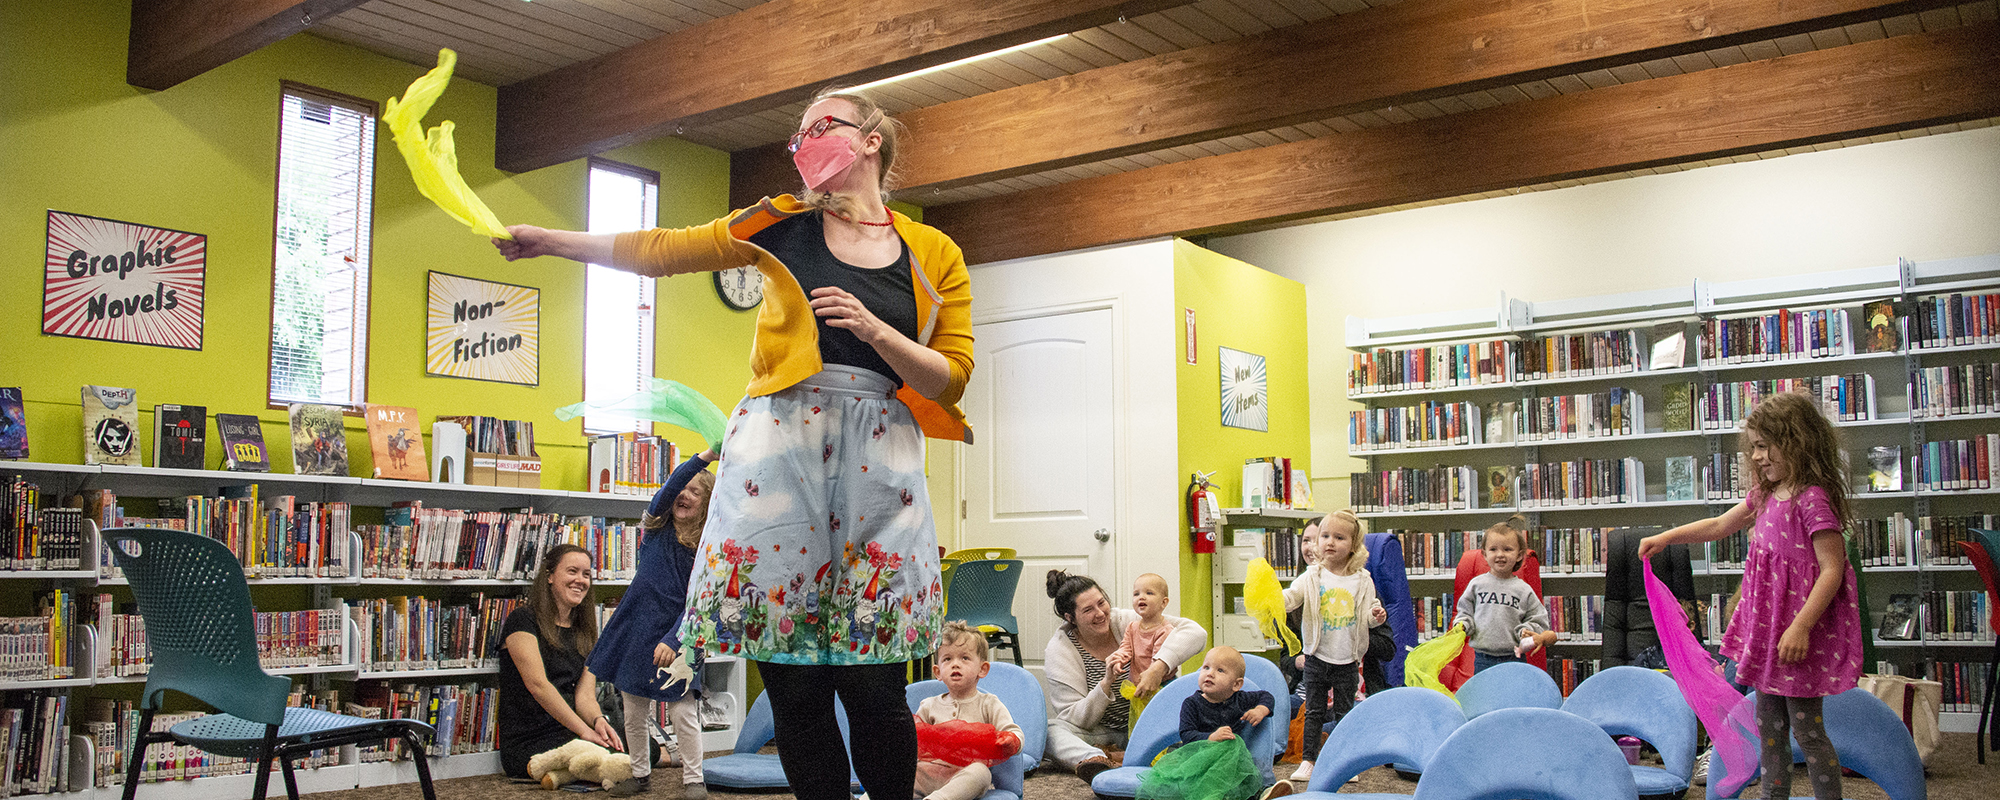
(819, 559)
(546, 697)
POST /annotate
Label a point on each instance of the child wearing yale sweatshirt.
(1501, 613)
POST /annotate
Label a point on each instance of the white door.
(1041, 477)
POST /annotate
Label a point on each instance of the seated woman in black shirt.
(546, 696)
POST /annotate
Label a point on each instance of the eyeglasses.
(817, 129)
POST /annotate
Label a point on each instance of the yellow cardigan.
(786, 349)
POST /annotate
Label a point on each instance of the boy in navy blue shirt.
(1221, 708)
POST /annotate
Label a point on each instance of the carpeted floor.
(1954, 775)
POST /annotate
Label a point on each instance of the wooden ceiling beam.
(767, 56)
(1888, 85)
(1385, 56)
(174, 40)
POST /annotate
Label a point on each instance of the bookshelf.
(1232, 561)
(341, 588)
(1446, 397)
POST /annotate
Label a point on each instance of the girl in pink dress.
(1796, 633)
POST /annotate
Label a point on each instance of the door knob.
(1102, 534)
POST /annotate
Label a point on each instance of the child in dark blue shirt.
(1212, 762)
(1221, 707)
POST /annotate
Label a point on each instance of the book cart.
(356, 607)
(1586, 446)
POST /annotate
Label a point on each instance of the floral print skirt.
(819, 546)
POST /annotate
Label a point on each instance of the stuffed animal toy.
(579, 761)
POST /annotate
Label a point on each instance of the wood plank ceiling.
(506, 42)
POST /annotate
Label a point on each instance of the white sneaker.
(1303, 773)
(1700, 777)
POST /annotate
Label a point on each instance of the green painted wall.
(1244, 308)
(202, 157)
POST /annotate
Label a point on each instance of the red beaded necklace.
(884, 224)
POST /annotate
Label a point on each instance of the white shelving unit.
(721, 674)
(1891, 421)
(1230, 564)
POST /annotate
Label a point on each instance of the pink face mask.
(821, 158)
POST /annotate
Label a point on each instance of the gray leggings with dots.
(1779, 719)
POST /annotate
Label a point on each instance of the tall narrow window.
(319, 275)
(618, 306)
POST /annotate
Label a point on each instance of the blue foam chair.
(1527, 754)
(1404, 725)
(1022, 694)
(1867, 737)
(1267, 741)
(1629, 701)
(1160, 725)
(745, 768)
(982, 594)
(1392, 587)
(1510, 685)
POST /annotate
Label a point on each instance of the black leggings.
(1321, 677)
(884, 734)
(1801, 715)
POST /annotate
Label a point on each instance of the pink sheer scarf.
(1720, 707)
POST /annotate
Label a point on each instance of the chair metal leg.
(270, 749)
(1989, 711)
(423, 762)
(291, 781)
(138, 755)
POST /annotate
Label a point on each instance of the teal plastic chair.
(200, 629)
(982, 594)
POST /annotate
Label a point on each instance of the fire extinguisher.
(1203, 513)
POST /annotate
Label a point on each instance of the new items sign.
(484, 330)
(123, 282)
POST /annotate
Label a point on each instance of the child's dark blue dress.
(650, 613)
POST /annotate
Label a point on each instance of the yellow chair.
(981, 554)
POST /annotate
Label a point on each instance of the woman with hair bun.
(1088, 730)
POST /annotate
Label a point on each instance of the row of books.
(422, 633)
(1964, 682)
(1590, 481)
(446, 544)
(1281, 548)
(1937, 616)
(631, 464)
(1958, 464)
(1414, 489)
(34, 743)
(1572, 355)
(1434, 367)
(1781, 335)
(1954, 320)
(41, 647)
(1570, 673)
(285, 639)
(1843, 398)
(1561, 550)
(507, 437)
(1613, 412)
(276, 537)
(1941, 392)
(462, 714)
(110, 726)
(1576, 617)
(33, 537)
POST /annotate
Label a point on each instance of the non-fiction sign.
(484, 330)
(123, 282)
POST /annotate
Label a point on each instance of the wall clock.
(741, 288)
